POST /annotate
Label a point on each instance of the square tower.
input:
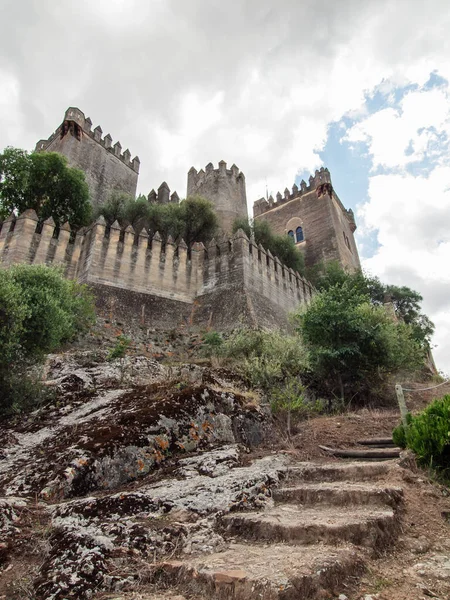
(105, 166)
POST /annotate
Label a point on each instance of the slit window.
(291, 234)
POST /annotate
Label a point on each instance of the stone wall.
(105, 165)
(327, 226)
(135, 278)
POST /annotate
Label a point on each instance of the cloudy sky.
(278, 87)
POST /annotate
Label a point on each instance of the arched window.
(299, 237)
(291, 234)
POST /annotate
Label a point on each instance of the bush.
(212, 343)
(19, 393)
(428, 436)
(266, 358)
(39, 311)
(120, 349)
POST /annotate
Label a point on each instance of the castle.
(231, 281)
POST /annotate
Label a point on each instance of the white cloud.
(255, 82)
(402, 135)
(411, 215)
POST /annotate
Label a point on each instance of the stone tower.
(225, 188)
(317, 220)
(105, 165)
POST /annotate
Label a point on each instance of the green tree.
(15, 167)
(405, 301)
(355, 345)
(44, 182)
(114, 208)
(200, 220)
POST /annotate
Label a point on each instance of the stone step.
(339, 471)
(339, 494)
(374, 528)
(275, 572)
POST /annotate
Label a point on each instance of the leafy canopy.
(44, 182)
(193, 219)
(282, 246)
(405, 301)
(354, 345)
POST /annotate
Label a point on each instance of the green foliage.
(193, 219)
(200, 220)
(39, 311)
(399, 436)
(114, 208)
(44, 182)
(120, 348)
(57, 308)
(266, 358)
(289, 397)
(354, 345)
(282, 246)
(19, 393)
(405, 302)
(212, 343)
(428, 436)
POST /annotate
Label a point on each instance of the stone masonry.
(327, 226)
(106, 167)
(225, 188)
(142, 280)
(230, 282)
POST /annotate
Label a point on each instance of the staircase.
(319, 529)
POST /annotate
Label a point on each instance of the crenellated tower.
(314, 216)
(225, 188)
(105, 165)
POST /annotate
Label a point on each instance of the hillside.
(154, 477)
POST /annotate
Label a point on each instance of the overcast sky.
(277, 87)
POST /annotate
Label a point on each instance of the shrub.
(212, 343)
(39, 311)
(120, 349)
(266, 358)
(57, 309)
(428, 436)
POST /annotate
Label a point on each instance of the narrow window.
(299, 237)
(291, 234)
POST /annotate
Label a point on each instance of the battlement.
(76, 124)
(234, 271)
(320, 182)
(163, 196)
(198, 178)
(225, 188)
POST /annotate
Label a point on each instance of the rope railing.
(399, 389)
(427, 388)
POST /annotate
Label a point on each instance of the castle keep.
(316, 219)
(230, 282)
(105, 165)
